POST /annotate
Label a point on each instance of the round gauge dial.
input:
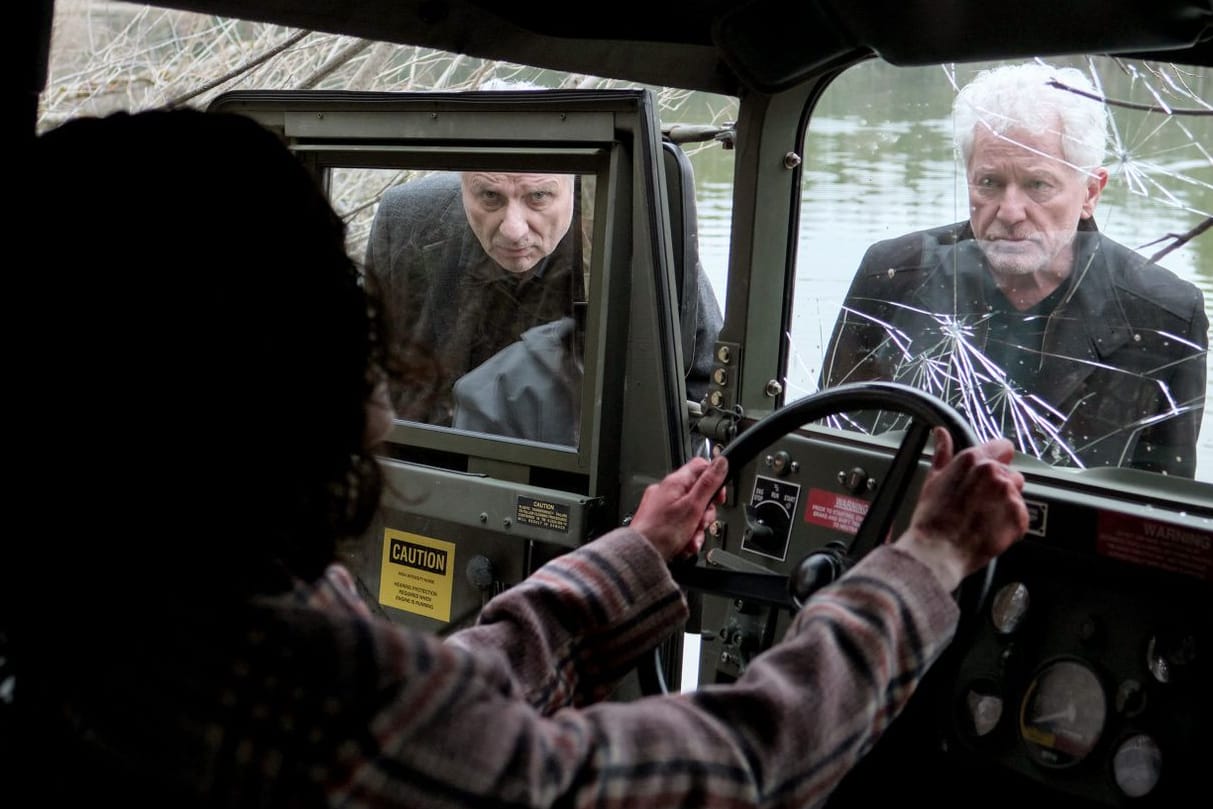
(1063, 714)
(1137, 765)
(983, 708)
(1009, 607)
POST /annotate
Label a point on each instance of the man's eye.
(540, 197)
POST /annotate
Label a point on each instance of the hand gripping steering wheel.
(820, 568)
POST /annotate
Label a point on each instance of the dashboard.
(1084, 671)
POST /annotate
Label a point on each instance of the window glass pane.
(1055, 292)
(488, 272)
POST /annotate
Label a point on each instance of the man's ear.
(1097, 179)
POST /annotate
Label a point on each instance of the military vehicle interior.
(1081, 673)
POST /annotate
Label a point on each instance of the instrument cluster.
(1087, 676)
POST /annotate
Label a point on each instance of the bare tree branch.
(1179, 239)
(257, 60)
(345, 55)
(1128, 105)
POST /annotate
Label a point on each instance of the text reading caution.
(542, 514)
(417, 574)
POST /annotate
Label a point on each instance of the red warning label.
(837, 511)
(1149, 542)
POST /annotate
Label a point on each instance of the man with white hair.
(1025, 316)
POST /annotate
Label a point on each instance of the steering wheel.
(925, 412)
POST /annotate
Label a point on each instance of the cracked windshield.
(1029, 241)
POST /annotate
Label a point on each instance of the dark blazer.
(1119, 378)
(443, 291)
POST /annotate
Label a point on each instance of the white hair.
(510, 84)
(1026, 97)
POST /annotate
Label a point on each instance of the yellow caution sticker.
(417, 574)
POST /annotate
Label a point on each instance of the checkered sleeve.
(573, 628)
(452, 729)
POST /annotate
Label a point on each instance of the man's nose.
(514, 225)
(1012, 204)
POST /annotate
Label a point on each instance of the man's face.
(1025, 201)
(518, 218)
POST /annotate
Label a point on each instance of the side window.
(507, 254)
(1044, 266)
(487, 272)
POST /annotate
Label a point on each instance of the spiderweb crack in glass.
(953, 368)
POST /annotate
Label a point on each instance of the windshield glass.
(1033, 247)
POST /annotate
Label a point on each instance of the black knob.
(812, 573)
(480, 572)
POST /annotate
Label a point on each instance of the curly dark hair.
(225, 347)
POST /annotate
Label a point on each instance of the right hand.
(674, 512)
(971, 509)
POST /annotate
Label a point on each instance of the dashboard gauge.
(1063, 714)
(1009, 607)
(1130, 698)
(1137, 765)
(1170, 654)
(984, 710)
